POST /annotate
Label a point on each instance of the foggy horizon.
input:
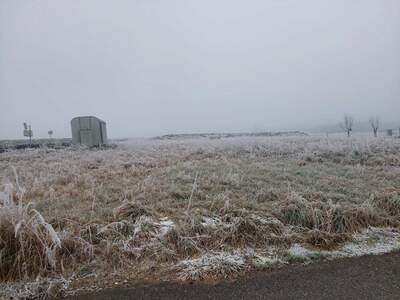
(150, 68)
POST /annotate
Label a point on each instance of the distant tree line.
(347, 124)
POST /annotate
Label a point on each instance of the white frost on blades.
(370, 241)
(165, 226)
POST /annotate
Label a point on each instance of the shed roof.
(80, 117)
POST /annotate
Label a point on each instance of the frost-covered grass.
(211, 265)
(370, 241)
(140, 210)
(30, 246)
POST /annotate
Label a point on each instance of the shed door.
(86, 137)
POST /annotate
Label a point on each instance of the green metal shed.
(89, 131)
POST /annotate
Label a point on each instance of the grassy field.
(192, 209)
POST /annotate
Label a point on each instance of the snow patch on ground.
(42, 288)
(264, 262)
(370, 241)
(217, 264)
(211, 222)
(225, 264)
(165, 225)
(298, 250)
(373, 241)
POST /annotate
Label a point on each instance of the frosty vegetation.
(193, 209)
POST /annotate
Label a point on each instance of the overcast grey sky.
(150, 67)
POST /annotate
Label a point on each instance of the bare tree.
(347, 124)
(375, 123)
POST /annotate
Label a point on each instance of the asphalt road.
(368, 277)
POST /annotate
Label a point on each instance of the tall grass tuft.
(390, 202)
(28, 244)
(327, 224)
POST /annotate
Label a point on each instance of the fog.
(151, 67)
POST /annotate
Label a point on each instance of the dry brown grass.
(390, 202)
(220, 195)
(329, 217)
(29, 245)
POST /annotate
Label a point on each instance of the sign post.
(28, 133)
(50, 133)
